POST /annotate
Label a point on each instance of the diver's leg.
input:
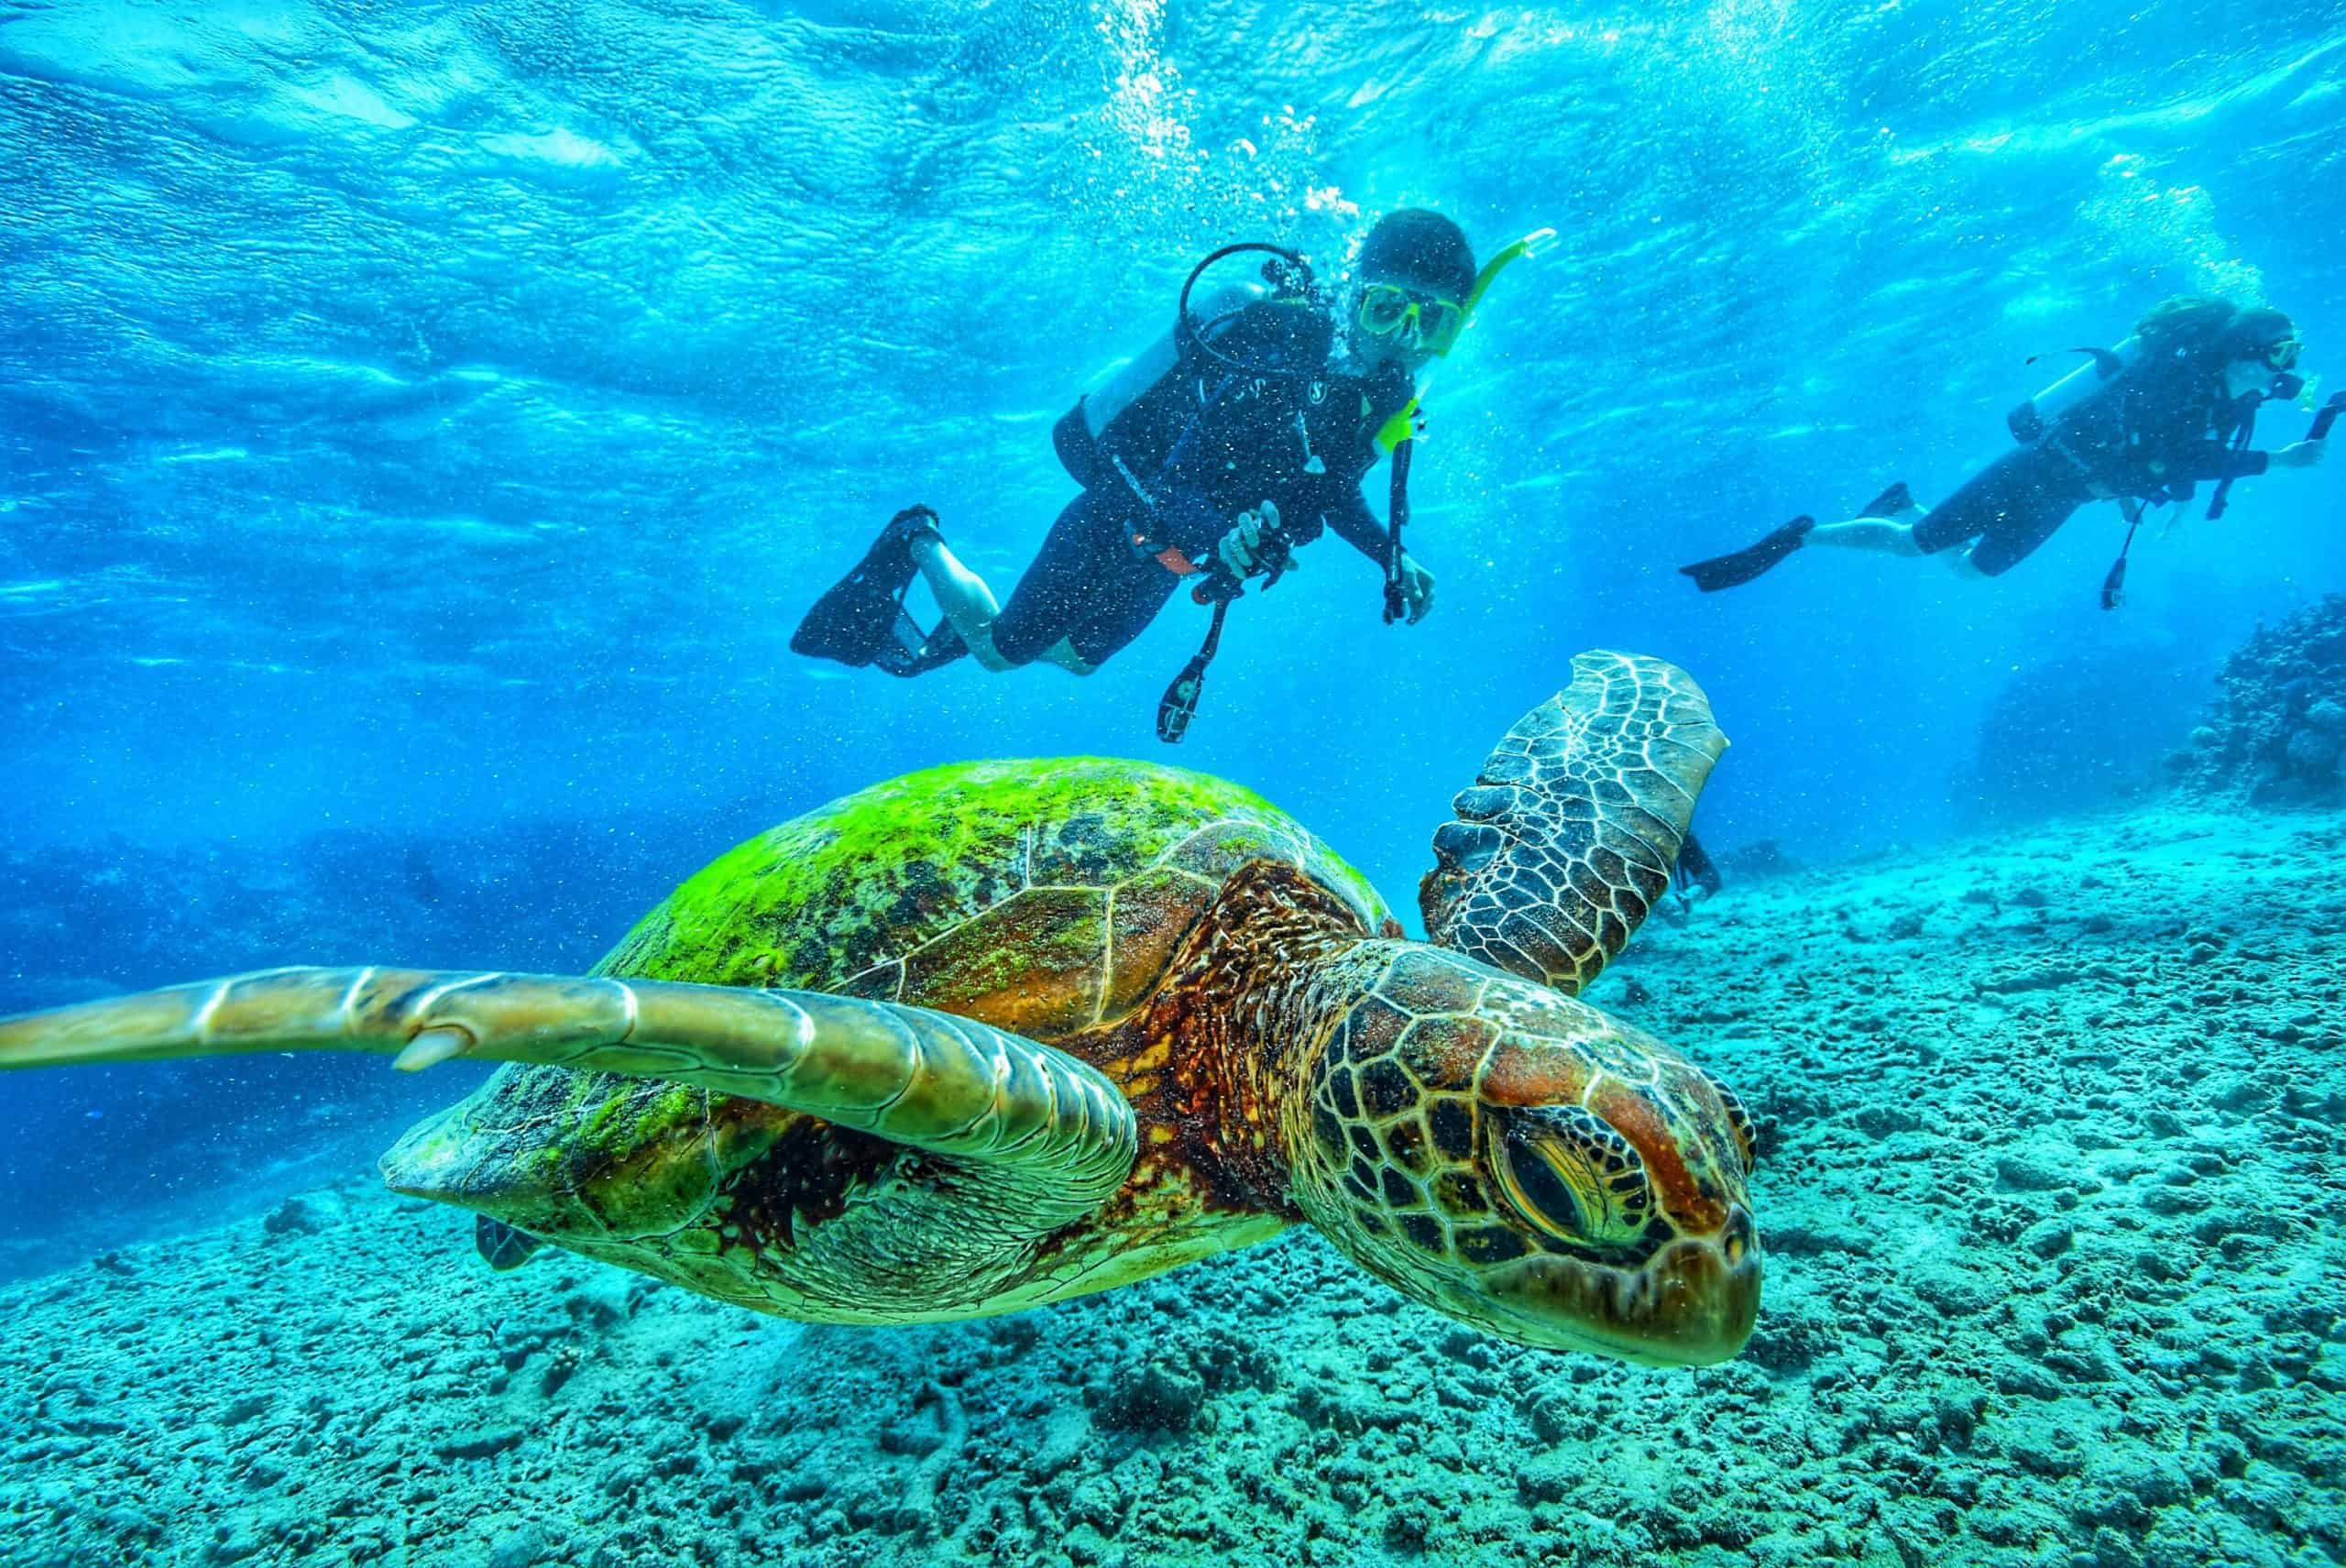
(1127, 597)
(1875, 534)
(1079, 560)
(1961, 563)
(1887, 525)
(1068, 657)
(2004, 513)
(1888, 537)
(969, 605)
(973, 612)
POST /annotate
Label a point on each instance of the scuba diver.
(2141, 424)
(1209, 459)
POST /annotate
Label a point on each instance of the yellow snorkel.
(1403, 425)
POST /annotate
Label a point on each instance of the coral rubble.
(2049, 1128)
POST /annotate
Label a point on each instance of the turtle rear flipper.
(1569, 834)
(502, 1246)
(1040, 1137)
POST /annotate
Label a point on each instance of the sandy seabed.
(2051, 1185)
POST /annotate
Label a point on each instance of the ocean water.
(422, 427)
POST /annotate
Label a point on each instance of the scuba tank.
(2033, 419)
(1301, 347)
(1122, 385)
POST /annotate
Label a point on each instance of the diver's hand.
(1416, 589)
(2299, 455)
(1251, 541)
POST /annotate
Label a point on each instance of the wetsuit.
(1168, 473)
(2149, 437)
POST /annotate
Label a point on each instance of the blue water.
(421, 426)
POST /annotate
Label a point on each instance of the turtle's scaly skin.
(1567, 837)
(1048, 898)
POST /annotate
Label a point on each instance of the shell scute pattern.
(1148, 920)
(1085, 851)
(1033, 962)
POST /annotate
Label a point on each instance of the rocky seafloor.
(2050, 1182)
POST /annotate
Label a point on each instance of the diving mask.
(1389, 309)
(2281, 356)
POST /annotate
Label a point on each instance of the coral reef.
(2277, 734)
(2078, 733)
(2049, 1130)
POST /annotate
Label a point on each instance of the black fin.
(912, 652)
(1695, 867)
(502, 1246)
(1891, 502)
(1734, 571)
(855, 622)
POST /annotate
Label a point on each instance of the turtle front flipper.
(1052, 1134)
(1568, 836)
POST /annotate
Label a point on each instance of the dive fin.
(1734, 570)
(857, 621)
(912, 652)
(502, 1246)
(1694, 868)
(1891, 502)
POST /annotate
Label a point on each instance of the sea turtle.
(1000, 1034)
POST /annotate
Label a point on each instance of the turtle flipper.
(1568, 836)
(502, 1246)
(990, 1100)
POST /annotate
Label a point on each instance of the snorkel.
(1398, 436)
(1402, 426)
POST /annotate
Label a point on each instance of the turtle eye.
(1573, 1176)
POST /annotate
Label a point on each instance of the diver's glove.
(1255, 544)
(2297, 454)
(1416, 589)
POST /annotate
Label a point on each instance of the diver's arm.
(2211, 460)
(1348, 514)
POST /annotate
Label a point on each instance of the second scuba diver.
(1206, 459)
(2141, 424)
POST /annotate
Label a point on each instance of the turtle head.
(1514, 1159)
(1569, 833)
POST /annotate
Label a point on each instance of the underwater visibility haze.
(423, 428)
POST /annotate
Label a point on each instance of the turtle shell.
(1045, 897)
(1042, 897)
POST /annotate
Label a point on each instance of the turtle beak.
(1692, 1304)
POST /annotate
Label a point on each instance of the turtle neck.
(1260, 984)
